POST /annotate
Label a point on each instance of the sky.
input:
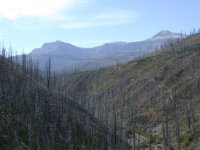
(28, 24)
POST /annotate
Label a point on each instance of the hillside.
(35, 116)
(67, 55)
(153, 101)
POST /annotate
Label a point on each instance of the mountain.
(120, 52)
(60, 53)
(154, 99)
(149, 44)
(165, 35)
(64, 54)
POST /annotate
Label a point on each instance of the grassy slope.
(145, 87)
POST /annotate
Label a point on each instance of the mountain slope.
(63, 54)
(97, 62)
(35, 116)
(155, 98)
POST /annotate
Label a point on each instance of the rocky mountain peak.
(164, 33)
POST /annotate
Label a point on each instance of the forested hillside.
(152, 102)
(35, 116)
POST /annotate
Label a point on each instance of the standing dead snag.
(48, 73)
(176, 117)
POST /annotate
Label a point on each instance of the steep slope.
(63, 54)
(152, 101)
(35, 116)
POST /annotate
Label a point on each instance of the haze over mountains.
(68, 56)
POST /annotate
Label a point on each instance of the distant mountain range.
(68, 56)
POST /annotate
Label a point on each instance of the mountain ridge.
(65, 54)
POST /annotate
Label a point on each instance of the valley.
(99, 75)
(150, 102)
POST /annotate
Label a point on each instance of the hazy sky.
(27, 24)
